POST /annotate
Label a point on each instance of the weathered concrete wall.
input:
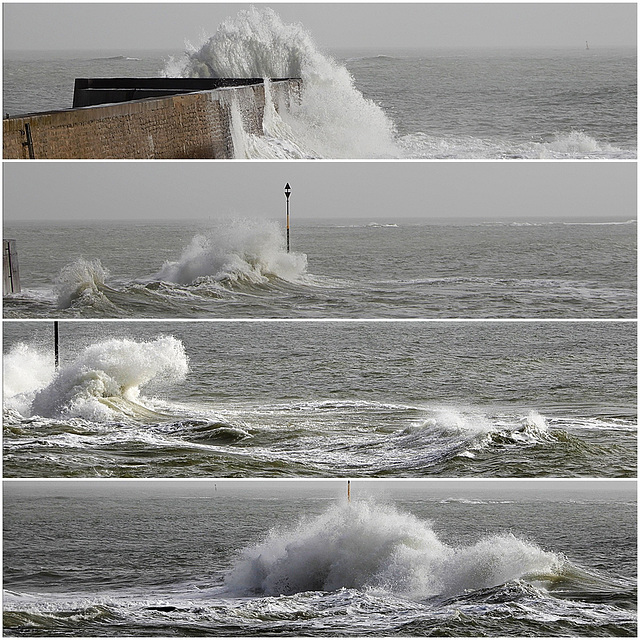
(195, 125)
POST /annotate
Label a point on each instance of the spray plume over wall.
(332, 119)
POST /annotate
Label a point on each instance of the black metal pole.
(56, 336)
(287, 192)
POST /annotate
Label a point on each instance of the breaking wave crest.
(234, 256)
(366, 546)
(25, 370)
(473, 426)
(81, 283)
(100, 384)
(332, 118)
(573, 144)
(240, 251)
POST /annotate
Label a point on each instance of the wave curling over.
(101, 383)
(81, 283)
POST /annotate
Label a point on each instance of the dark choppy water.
(140, 565)
(350, 269)
(452, 103)
(339, 399)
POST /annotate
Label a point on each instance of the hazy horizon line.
(448, 47)
(436, 220)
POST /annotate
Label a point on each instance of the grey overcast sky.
(174, 191)
(62, 26)
(332, 489)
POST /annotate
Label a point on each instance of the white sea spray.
(364, 545)
(332, 118)
(114, 370)
(237, 250)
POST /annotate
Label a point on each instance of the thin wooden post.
(10, 269)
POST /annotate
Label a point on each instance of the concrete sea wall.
(193, 125)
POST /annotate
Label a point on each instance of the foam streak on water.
(322, 399)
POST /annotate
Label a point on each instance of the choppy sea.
(451, 103)
(230, 563)
(239, 268)
(320, 399)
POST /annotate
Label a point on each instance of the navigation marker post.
(287, 192)
(56, 340)
(348, 490)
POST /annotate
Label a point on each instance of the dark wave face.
(243, 566)
(322, 440)
(321, 399)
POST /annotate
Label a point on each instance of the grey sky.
(60, 26)
(166, 191)
(383, 489)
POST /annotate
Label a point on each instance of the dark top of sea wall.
(90, 92)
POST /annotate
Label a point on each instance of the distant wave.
(380, 57)
(587, 224)
(524, 223)
(116, 58)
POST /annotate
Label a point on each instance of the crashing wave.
(331, 119)
(366, 546)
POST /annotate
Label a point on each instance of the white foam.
(572, 144)
(237, 250)
(114, 369)
(25, 369)
(80, 283)
(364, 545)
(332, 118)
